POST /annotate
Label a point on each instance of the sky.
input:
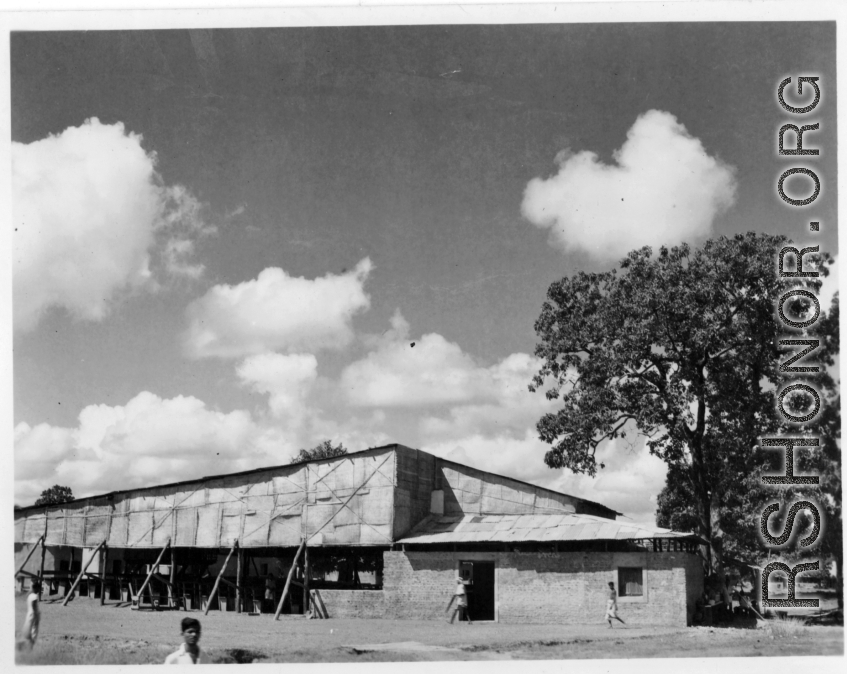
(230, 245)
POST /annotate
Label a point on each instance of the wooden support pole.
(172, 594)
(239, 561)
(94, 553)
(150, 574)
(43, 552)
(218, 580)
(40, 542)
(288, 580)
(41, 569)
(103, 559)
(305, 579)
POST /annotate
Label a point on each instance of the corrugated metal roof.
(511, 528)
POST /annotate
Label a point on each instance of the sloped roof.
(517, 528)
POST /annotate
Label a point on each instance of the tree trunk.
(716, 544)
(709, 511)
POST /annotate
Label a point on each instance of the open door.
(480, 588)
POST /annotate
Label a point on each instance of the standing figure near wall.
(29, 633)
(612, 606)
(270, 590)
(460, 596)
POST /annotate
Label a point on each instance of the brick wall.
(546, 587)
(353, 603)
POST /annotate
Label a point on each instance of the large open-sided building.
(383, 533)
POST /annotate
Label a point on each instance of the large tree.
(56, 494)
(746, 497)
(325, 450)
(680, 347)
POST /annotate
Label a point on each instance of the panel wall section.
(475, 492)
(415, 482)
(340, 501)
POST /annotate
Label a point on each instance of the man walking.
(460, 596)
(612, 606)
(29, 633)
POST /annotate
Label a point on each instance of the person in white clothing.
(188, 652)
(612, 606)
(460, 596)
(29, 633)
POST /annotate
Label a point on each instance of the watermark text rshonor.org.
(800, 192)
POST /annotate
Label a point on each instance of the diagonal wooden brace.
(82, 573)
(34, 548)
(288, 580)
(218, 580)
(152, 571)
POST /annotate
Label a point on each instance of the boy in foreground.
(189, 651)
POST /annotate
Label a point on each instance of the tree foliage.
(325, 450)
(682, 348)
(56, 494)
(747, 497)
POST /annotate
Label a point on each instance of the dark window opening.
(630, 581)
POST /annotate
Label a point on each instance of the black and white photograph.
(361, 335)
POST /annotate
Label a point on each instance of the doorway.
(480, 588)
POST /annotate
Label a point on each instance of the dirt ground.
(86, 633)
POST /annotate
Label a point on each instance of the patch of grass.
(522, 645)
(68, 652)
(787, 627)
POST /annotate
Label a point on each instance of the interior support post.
(103, 561)
(239, 562)
(288, 580)
(305, 579)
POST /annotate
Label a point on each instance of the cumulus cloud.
(307, 406)
(400, 372)
(506, 406)
(276, 312)
(288, 379)
(662, 188)
(92, 220)
(180, 225)
(150, 440)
